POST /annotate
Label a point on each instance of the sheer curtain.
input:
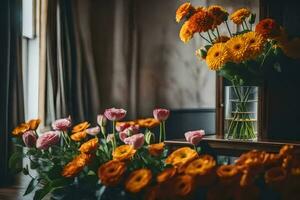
(11, 88)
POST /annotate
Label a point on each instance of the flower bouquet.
(245, 56)
(87, 163)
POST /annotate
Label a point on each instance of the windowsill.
(235, 147)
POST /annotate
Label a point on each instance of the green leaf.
(25, 170)
(57, 183)
(32, 184)
(41, 193)
(15, 163)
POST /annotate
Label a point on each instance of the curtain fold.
(11, 87)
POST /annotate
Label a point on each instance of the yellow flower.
(217, 56)
(123, 152)
(76, 165)
(89, 146)
(78, 136)
(156, 149)
(148, 123)
(34, 124)
(201, 21)
(185, 33)
(237, 48)
(19, 130)
(80, 127)
(181, 157)
(111, 172)
(256, 43)
(219, 14)
(166, 175)
(184, 10)
(138, 180)
(241, 14)
(228, 174)
(201, 166)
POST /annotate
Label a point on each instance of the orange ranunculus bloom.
(111, 172)
(201, 166)
(201, 21)
(286, 150)
(268, 28)
(228, 174)
(240, 15)
(185, 33)
(80, 127)
(156, 149)
(123, 152)
(34, 124)
(76, 165)
(181, 186)
(79, 136)
(19, 130)
(166, 175)
(138, 180)
(219, 14)
(275, 176)
(148, 123)
(89, 146)
(181, 157)
(184, 10)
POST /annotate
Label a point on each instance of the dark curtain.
(11, 88)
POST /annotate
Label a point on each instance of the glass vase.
(241, 108)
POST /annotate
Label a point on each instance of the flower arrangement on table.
(245, 57)
(80, 162)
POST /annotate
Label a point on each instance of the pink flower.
(101, 120)
(114, 114)
(93, 131)
(161, 114)
(131, 130)
(62, 124)
(47, 140)
(194, 137)
(137, 140)
(29, 138)
(122, 126)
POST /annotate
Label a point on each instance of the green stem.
(164, 130)
(103, 131)
(228, 28)
(210, 38)
(218, 31)
(204, 38)
(214, 34)
(114, 141)
(160, 132)
(246, 24)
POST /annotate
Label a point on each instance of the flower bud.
(101, 120)
(149, 137)
(29, 139)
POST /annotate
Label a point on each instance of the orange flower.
(181, 157)
(201, 21)
(34, 124)
(240, 15)
(111, 172)
(79, 136)
(123, 152)
(185, 10)
(76, 165)
(19, 130)
(275, 176)
(80, 127)
(148, 123)
(89, 146)
(138, 180)
(256, 43)
(228, 174)
(219, 14)
(182, 185)
(268, 28)
(238, 49)
(185, 33)
(156, 149)
(166, 175)
(203, 165)
(217, 56)
(286, 150)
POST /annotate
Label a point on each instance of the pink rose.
(114, 114)
(47, 140)
(62, 124)
(29, 139)
(122, 126)
(137, 140)
(131, 130)
(161, 114)
(93, 131)
(194, 137)
(101, 120)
